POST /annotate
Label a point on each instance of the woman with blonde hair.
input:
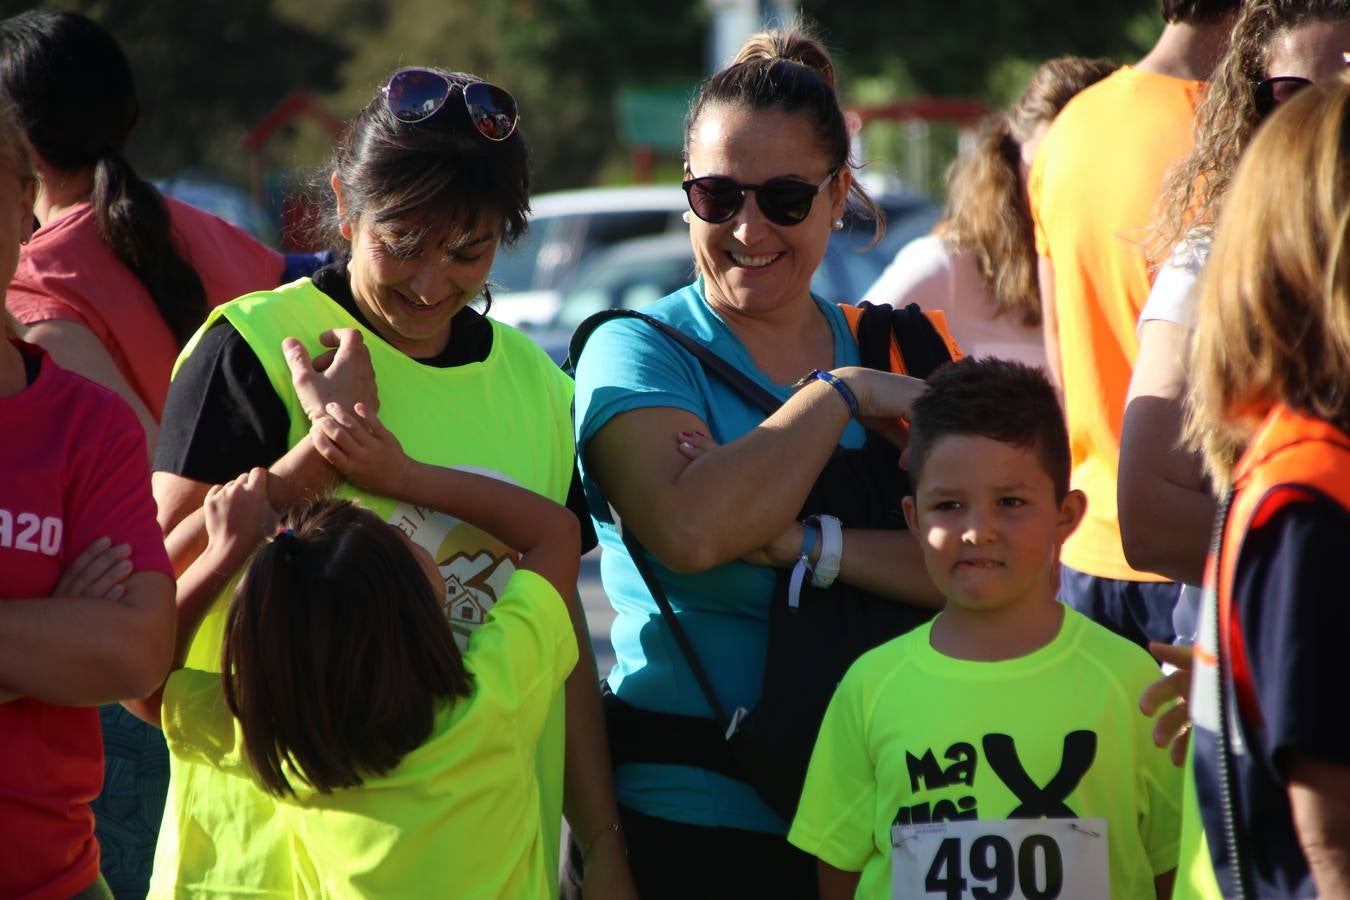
(1164, 502)
(1270, 411)
(979, 265)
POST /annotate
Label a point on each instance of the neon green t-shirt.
(966, 759)
(1195, 873)
(423, 829)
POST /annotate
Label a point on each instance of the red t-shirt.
(73, 468)
(67, 273)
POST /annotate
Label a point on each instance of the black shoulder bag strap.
(734, 378)
(747, 388)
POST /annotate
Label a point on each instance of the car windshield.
(513, 269)
(626, 284)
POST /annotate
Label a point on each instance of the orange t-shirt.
(67, 273)
(1094, 191)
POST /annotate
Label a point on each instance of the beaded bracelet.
(838, 384)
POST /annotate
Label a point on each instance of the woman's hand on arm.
(882, 562)
(77, 650)
(1166, 509)
(741, 496)
(97, 573)
(75, 347)
(343, 374)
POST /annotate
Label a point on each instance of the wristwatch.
(826, 569)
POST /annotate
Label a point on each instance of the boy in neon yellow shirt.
(999, 750)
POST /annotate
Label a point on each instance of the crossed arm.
(741, 499)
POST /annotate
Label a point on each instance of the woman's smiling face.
(749, 264)
(410, 293)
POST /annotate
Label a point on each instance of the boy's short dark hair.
(1197, 10)
(994, 398)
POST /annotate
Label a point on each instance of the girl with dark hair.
(768, 176)
(401, 766)
(117, 277)
(979, 265)
(86, 591)
(429, 179)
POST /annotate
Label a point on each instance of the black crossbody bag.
(811, 645)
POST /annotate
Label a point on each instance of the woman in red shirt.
(76, 629)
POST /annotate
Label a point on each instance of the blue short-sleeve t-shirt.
(628, 365)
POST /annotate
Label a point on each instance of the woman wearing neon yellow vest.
(428, 179)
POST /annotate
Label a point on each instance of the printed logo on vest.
(475, 565)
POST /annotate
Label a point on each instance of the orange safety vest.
(1293, 458)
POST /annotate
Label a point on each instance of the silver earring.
(688, 217)
(838, 225)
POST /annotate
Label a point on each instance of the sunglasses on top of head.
(415, 95)
(1271, 92)
(783, 201)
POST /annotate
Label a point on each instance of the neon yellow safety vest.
(507, 416)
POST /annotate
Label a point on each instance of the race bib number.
(1003, 859)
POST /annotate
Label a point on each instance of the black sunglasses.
(415, 95)
(1271, 92)
(784, 201)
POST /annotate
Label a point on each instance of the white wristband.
(826, 569)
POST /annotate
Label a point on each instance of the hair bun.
(793, 45)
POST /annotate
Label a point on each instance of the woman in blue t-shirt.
(768, 178)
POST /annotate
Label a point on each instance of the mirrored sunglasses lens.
(714, 199)
(786, 202)
(492, 110)
(415, 94)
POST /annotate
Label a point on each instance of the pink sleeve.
(31, 308)
(110, 492)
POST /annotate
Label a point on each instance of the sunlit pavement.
(599, 615)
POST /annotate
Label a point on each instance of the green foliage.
(205, 73)
(208, 71)
(949, 47)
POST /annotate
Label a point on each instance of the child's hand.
(238, 517)
(1169, 694)
(361, 448)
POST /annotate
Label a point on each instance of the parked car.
(220, 198)
(567, 228)
(636, 272)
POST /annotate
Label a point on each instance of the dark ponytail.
(133, 221)
(72, 87)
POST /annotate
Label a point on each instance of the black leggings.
(679, 861)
